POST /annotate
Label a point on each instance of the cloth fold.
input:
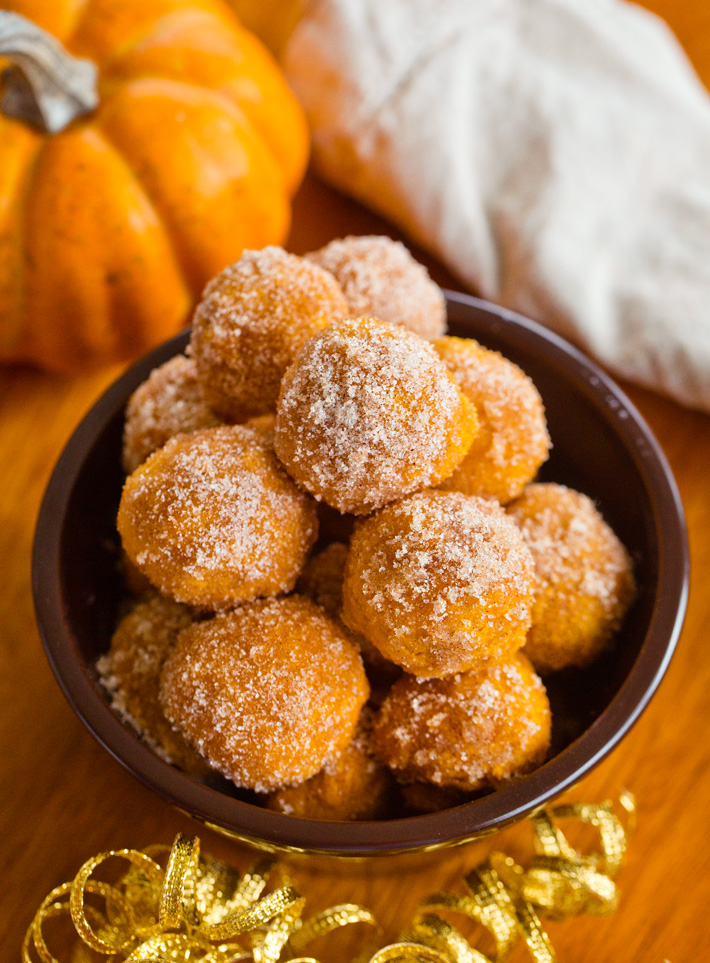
(554, 154)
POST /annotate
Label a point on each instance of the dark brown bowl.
(601, 447)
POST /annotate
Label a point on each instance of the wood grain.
(64, 798)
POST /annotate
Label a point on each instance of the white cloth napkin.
(555, 154)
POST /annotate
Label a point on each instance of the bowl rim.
(470, 820)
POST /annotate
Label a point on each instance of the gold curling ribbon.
(199, 910)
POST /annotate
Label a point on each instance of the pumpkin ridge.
(14, 334)
(155, 29)
(108, 87)
(83, 40)
(203, 97)
(179, 256)
(116, 328)
(299, 141)
(127, 325)
(198, 34)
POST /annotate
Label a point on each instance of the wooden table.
(64, 799)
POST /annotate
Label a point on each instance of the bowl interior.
(601, 447)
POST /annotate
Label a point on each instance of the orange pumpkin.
(110, 228)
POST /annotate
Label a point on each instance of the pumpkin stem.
(44, 86)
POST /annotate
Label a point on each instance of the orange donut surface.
(379, 277)
(130, 672)
(168, 403)
(267, 692)
(469, 731)
(439, 582)
(584, 580)
(513, 440)
(322, 581)
(251, 323)
(352, 785)
(212, 519)
(369, 413)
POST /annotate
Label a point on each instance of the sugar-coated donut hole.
(322, 581)
(439, 582)
(584, 581)
(512, 441)
(267, 692)
(368, 413)
(252, 321)
(130, 672)
(467, 731)
(212, 519)
(352, 784)
(169, 402)
(380, 278)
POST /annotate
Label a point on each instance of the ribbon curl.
(199, 910)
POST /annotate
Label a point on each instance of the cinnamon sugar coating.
(251, 323)
(584, 581)
(267, 692)
(352, 785)
(130, 672)
(468, 731)
(439, 582)
(212, 519)
(367, 414)
(380, 278)
(169, 402)
(513, 440)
